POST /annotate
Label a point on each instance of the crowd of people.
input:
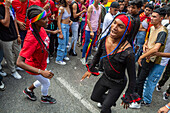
(130, 34)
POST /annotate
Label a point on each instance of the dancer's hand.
(47, 74)
(163, 110)
(8, 3)
(87, 74)
(125, 106)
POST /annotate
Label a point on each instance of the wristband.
(167, 107)
(39, 70)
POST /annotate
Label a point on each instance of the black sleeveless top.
(71, 7)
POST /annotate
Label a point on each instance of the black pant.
(165, 77)
(53, 38)
(1, 78)
(109, 100)
(144, 73)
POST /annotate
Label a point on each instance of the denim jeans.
(62, 43)
(22, 35)
(74, 28)
(82, 30)
(87, 41)
(140, 40)
(151, 81)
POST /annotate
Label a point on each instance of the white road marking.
(76, 94)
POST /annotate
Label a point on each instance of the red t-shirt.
(20, 9)
(52, 7)
(32, 50)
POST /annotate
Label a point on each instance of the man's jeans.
(87, 41)
(151, 81)
(74, 28)
(62, 43)
(140, 40)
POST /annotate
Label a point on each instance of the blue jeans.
(140, 40)
(74, 28)
(87, 41)
(151, 81)
(22, 35)
(82, 30)
(62, 43)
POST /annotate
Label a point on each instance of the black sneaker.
(30, 95)
(48, 99)
(145, 104)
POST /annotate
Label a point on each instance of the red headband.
(124, 19)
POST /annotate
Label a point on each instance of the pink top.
(94, 19)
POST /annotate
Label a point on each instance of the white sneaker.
(2, 86)
(90, 57)
(48, 60)
(66, 58)
(19, 69)
(2, 73)
(99, 105)
(16, 75)
(83, 61)
(60, 62)
(134, 105)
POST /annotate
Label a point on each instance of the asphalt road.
(72, 95)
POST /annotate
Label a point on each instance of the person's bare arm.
(161, 54)
(99, 22)
(60, 13)
(89, 12)
(21, 63)
(75, 15)
(19, 37)
(6, 20)
(149, 52)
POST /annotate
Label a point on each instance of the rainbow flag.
(107, 6)
(88, 49)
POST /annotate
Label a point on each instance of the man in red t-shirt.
(20, 7)
(51, 9)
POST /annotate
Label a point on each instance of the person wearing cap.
(114, 8)
(151, 66)
(117, 55)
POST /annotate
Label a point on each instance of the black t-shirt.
(7, 34)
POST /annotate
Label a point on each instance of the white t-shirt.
(107, 20)
(165, 60)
